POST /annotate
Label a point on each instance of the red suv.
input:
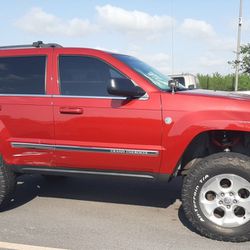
(72, 111)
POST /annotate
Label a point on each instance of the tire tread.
(232, 159)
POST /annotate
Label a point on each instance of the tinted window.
(153, 75)
(85, 76)
(22, 75)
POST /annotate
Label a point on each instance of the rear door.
(94, 130)
(26, 114)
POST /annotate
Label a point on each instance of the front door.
(94, 130)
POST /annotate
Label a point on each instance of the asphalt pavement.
(94, 212)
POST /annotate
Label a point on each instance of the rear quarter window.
(22, 75)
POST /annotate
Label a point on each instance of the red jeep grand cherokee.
(67, 111)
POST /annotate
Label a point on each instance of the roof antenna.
(172, 35)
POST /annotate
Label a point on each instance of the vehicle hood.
(217, 94)
(206, 100)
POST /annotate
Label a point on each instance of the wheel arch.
(4, 141)
(211, 142)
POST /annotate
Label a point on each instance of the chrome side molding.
(86, 149)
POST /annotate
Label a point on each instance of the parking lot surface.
(99, 213)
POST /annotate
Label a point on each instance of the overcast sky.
(173, 35)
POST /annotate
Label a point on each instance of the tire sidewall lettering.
(196, 195)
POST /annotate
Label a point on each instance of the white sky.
(201, 34)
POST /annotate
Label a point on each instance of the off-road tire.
(197, 176)
(7, 185)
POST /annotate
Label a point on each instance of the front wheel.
(216, 197)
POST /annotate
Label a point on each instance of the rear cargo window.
(22, 75)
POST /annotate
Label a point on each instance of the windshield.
(157, 78)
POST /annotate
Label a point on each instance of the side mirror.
(124, 87)
(173, 84)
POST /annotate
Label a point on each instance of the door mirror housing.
(124, 87)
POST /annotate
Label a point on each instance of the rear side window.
(85, 76)
(22, 75)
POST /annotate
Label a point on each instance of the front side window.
(85, 76)
(22, 75)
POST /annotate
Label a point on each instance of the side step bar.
(79, 172)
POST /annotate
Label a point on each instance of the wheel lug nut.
(231, 194)
(220, 202)
(222, 194)
(228, 206)
(234, 201)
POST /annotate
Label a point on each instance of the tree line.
(217, 81)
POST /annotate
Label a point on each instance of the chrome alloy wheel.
(225, 200)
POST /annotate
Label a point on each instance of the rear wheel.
(7, 184)
(216, 197)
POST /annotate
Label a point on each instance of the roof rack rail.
(38, 44)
